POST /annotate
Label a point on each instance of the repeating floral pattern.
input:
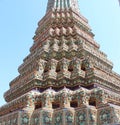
(25, 119)
(47, 118)
(35, 120)
(81, 118)
(105, 117)
(58, 118)
(69, 118)
(92, 116)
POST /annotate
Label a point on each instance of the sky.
(18, 22)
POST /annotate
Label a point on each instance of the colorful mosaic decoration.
(66, 79)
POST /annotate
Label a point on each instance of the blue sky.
(18, 22)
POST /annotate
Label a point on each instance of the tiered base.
(86, 115)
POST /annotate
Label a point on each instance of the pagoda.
(66, 79)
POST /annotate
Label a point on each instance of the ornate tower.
(66, 79)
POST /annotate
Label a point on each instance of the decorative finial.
(63, 4)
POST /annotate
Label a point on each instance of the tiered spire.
(66, 79)
(60, 36)
(63, 4)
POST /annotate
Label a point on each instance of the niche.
(92, 102)
(38, 106)
(58, 68)
(46, 68)
(55, 105)
(74, 104)
(83, 67)
(70, 68)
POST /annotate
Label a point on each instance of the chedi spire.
(66, 79)
(63, 4)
